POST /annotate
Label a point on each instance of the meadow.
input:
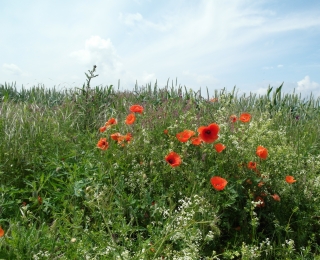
(158, 173)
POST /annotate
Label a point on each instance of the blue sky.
(217, 44)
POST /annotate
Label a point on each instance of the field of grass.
(192, 176)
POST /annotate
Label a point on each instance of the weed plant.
(183, 177)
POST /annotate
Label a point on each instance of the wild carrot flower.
(245, 117)
(136, 109)
(290, 179)
(102, 129)
(218, 183)
(252, 165)
(1, 232)
(275, 197)
(209, 133)
(173, 159)
(130, 119)
(185, 135)
(196, 140)
(219, 147)
(262, 152)
(233, 118)
(261, 202)
(103, 144)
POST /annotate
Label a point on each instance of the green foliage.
(61, 197)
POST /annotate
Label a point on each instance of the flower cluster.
(206, 134)
(119, 138)
(109, 123)
(209, 134)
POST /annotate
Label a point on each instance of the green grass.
(61, 197)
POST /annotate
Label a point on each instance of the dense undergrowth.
(63, 197)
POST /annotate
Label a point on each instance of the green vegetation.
(62, 197)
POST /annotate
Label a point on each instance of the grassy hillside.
(193, 177)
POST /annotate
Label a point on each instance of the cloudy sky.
(217, 44)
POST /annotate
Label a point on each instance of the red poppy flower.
(121, 138)
(103, 144)
(262, 152)
(115, 136)
(185, 135)
(218, 183)
(245, 117)
(1, 232)
(290, 179)
(102, 129)
(219, 147)
(260, 184)
(173, 159)
(261, 200)
(136, 109)
(165, 131)
(130, 119)
(252, 165)
(233, 118)
(128, 137)
(196, 140)
(111, 121)
(209, 133)
(275, 197)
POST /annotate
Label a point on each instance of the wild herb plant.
(153, 173)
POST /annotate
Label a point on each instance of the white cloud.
(195, 41)
(221, 31)
(271, 67)
(12, 69)
(138, 20)
(293, 21)
(307, 85)
(130, 19)
(102, 53)
(110, 68)
(260, 91)
(199, 78)
(148, 77)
